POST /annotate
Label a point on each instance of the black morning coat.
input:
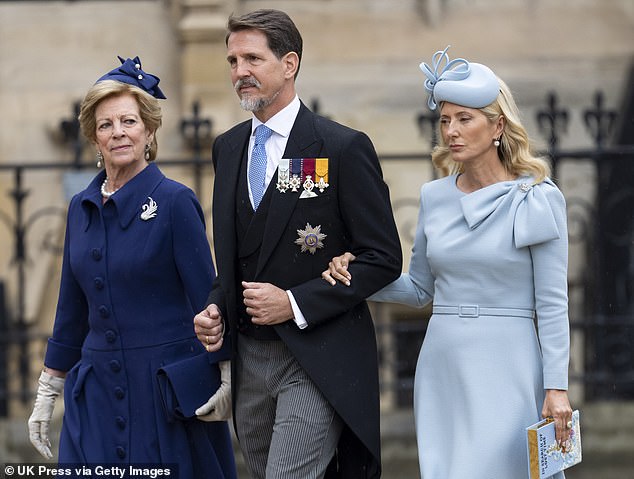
(338, 348)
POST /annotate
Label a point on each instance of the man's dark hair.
(281, 33)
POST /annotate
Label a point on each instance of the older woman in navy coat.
(136, 268)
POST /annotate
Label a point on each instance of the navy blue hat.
(130, 72)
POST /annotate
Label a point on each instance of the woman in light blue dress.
(491, 252)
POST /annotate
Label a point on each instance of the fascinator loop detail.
(131, 72)
(458, 81)
(456, 69)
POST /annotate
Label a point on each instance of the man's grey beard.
(255, 104)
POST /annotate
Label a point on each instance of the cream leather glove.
(49, 388)
(218, 408)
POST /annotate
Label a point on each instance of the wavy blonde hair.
(149, 109)
(514, 150)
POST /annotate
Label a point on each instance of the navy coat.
(132, 281)
(338, 348)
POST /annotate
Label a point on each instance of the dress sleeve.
(193, 256)
(416, 287)
(550, 269)
(71, 317)
(191, 248)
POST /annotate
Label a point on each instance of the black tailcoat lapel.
(302, 143)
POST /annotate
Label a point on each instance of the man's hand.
(266, 304)
(209, 327)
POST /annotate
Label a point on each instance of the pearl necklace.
(104, 193)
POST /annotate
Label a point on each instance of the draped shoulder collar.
(532, 212)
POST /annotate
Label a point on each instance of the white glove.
(49, 388)
(218, 408)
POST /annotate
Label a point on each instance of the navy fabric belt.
(473, 311)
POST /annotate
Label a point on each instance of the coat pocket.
(82, 373)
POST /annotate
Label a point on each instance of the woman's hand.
(50, 386)
(338, 269)
(557, 406)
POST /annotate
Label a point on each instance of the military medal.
(296, 174)
(321, 174)
(311, 174)
(310, 239)
(308, 173)
(283, 178)
(149, 209)
(309, 185)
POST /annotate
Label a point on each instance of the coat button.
(96, 254)
(115, 366)
(104, 312)
(121, 422)
(119, 393)
(99, 283)
(111, 336)
(121, 452)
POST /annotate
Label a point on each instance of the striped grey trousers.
(285, 426)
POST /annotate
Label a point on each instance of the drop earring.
(99, 159)
(147, 152)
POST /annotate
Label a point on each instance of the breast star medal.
(149, 209)
(310, 239)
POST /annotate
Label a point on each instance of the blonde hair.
(149, 109)
(514, 150)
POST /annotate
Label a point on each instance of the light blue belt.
(473, 311)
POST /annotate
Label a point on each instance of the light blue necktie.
(257, 169)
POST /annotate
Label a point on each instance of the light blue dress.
(489, 260)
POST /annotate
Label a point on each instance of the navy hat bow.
(130, 72)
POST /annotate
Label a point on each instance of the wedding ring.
(569, 424)
(207, 339)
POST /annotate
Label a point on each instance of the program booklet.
(545, 456)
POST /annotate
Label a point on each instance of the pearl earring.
(99, 159)
(496, 142)
(147, 152)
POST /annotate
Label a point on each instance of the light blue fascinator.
(458, 81)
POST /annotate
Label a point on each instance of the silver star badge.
(310, 239)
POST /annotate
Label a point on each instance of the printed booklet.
(545, 456)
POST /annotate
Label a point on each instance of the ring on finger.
(569, 424)
(207, 339)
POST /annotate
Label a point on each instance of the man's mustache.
(246, 82)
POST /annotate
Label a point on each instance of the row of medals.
(285, 181)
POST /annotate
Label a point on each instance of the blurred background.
(569, 63)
